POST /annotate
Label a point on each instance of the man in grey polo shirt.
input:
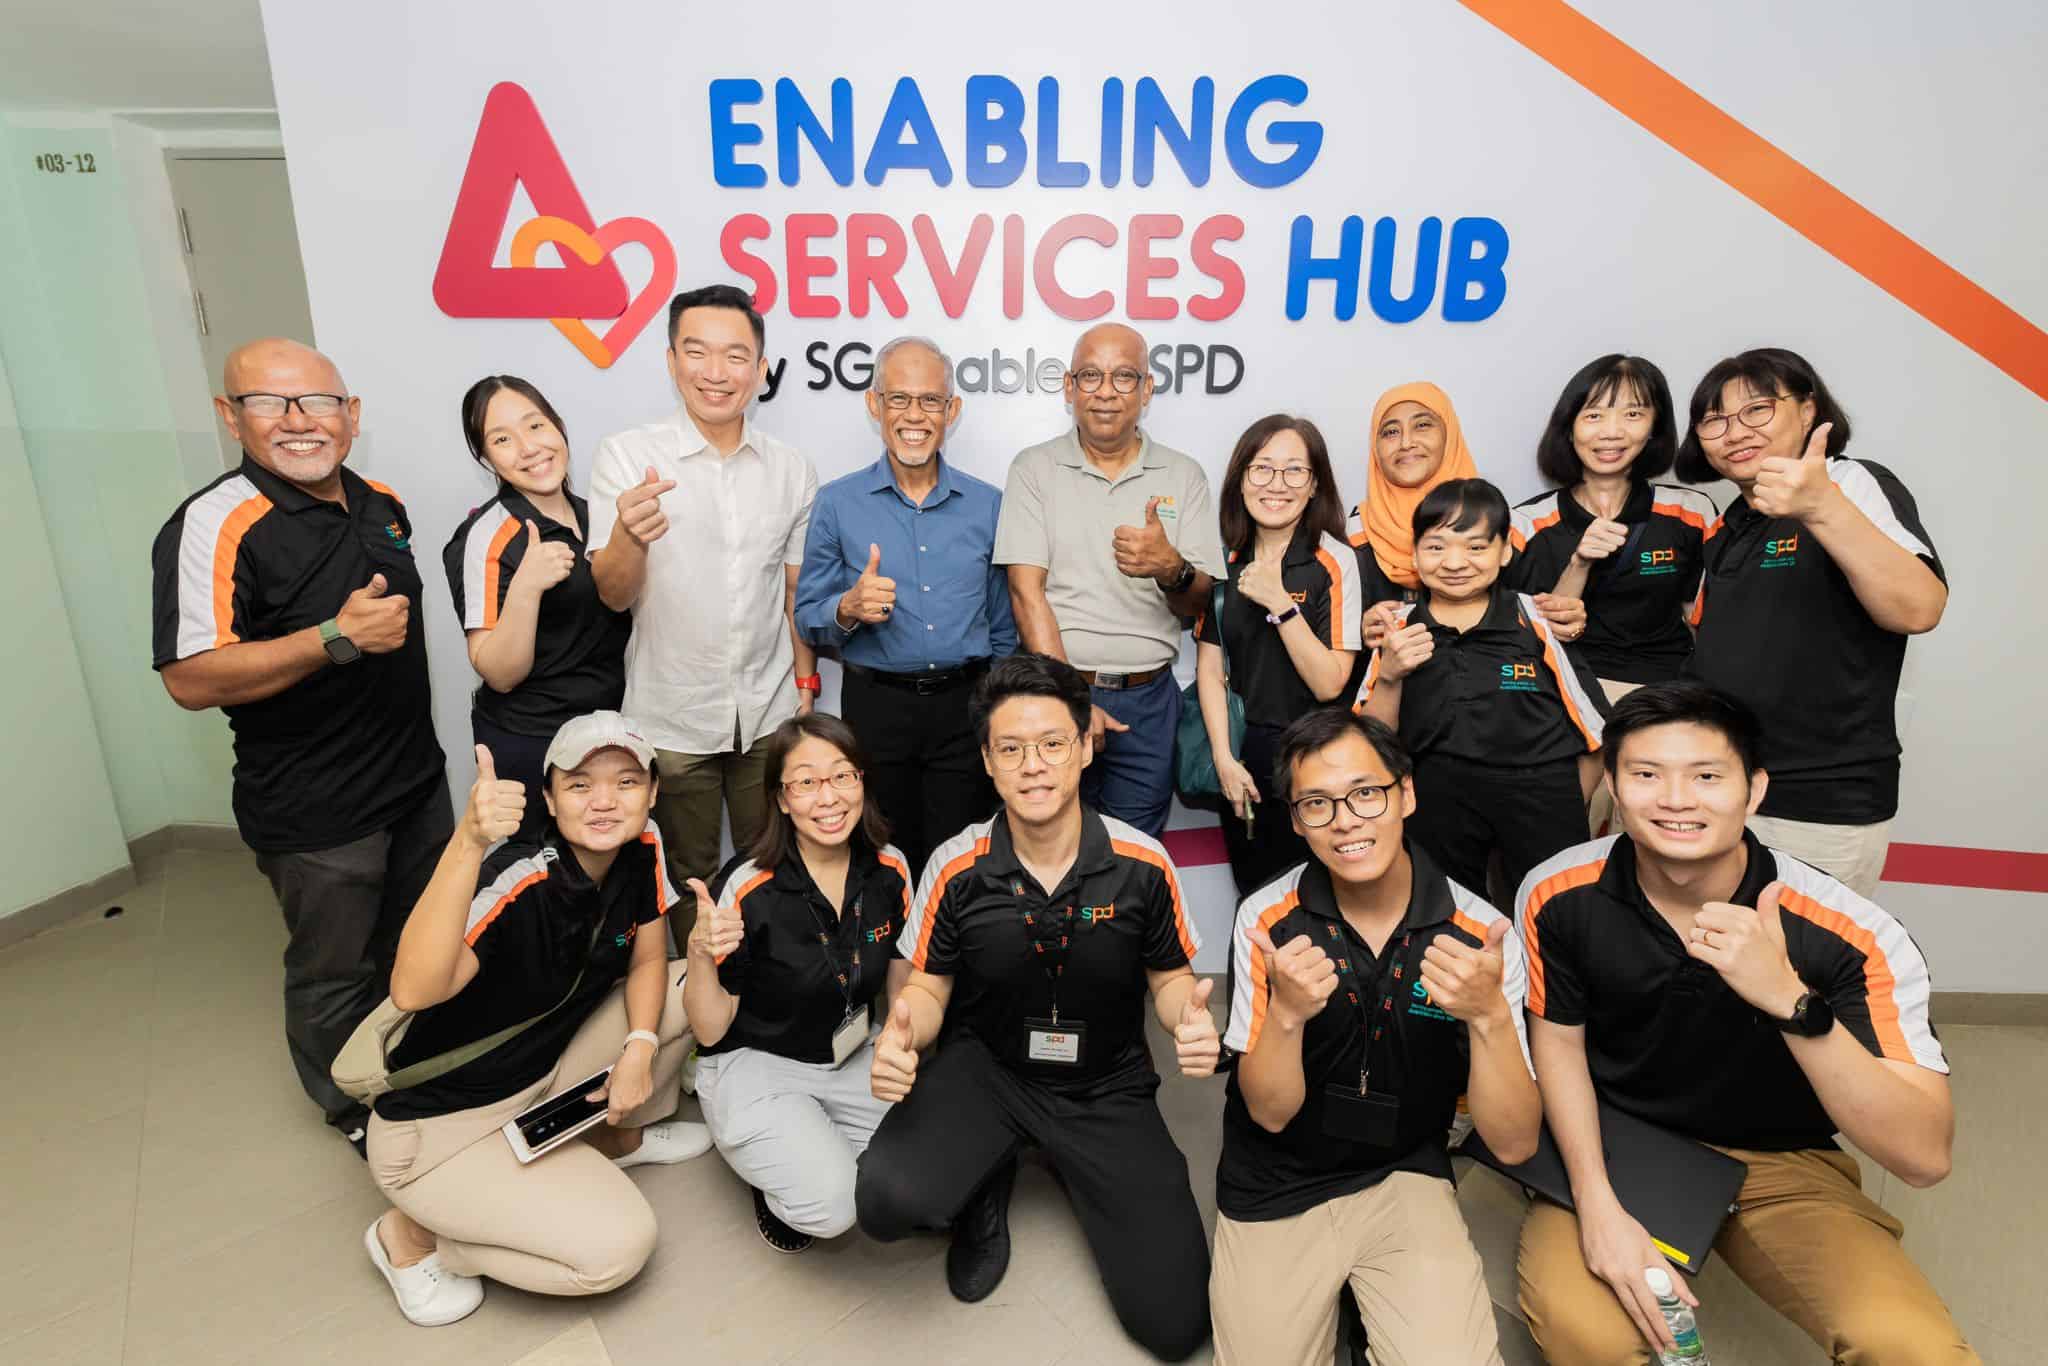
(1110, 541)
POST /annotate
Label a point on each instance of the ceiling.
(117, 54)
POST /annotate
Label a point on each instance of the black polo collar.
(288, 497)
(792, 876)
(1095, 855)
(1637, 508)
(1503, 612)
(1429, 892)
(1620, 882)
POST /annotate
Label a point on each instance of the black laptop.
(1679, 1190)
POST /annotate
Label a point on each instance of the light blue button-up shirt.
(952, 603)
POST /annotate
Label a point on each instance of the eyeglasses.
(277, 405)
(1125, 380)
(1753, 414)
(1366, 803)
(1054, 749)
(1294, 476)
(929, 403)
(842, 780)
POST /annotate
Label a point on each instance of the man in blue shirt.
(897, 577)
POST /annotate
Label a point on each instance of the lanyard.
(1051, 934)
(847, 979)
(1374, 1015)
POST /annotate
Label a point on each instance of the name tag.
(1370, 1118)
(1058, 1043)
(851, 1034)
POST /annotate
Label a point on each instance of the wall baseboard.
(1989, 1008)
(151, 849)
(146, 856)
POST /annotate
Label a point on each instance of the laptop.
(1679, 1190)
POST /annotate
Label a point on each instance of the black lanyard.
(847, 979)
(1374, 1015)
(1052, 935)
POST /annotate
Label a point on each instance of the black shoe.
(774, 1232)
(980, 1253)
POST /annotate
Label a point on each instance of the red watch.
(810, 683)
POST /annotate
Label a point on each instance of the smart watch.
(1183, 579)
(1812, 1017)
(340, 649)
(1282, 618)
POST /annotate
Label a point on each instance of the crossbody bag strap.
(1216, 614)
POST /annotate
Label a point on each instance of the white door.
(242, 249)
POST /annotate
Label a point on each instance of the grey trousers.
(344, 908)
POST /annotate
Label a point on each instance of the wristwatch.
(1812, 1017)
(1282, 618)
(339, 647)
(1181, 580)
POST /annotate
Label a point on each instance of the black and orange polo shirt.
(1422, 1056)
(803, 964)
(579, 644)
(348, 749)
(1637, 599)
(1320, 573)
(1669, 1041)
(529, 926)
(1118, 910)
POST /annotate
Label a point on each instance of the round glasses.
(1753, 414)
(277, 405)
(1054, 749)
(1123, 379)
(929, 403)
(842, 780)
(1293, 476)
(1366, 803)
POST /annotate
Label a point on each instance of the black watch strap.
(1812, 1017)
(1184, 578)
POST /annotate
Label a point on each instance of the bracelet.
(810, 682)
(1293, 611)
(639, 1034)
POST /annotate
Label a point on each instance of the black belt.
(926, 684)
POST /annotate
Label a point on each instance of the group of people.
(948, 909)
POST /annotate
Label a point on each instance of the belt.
(1104, 678)
(926, 684)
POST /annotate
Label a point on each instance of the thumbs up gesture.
(1302, 977)
(718, 930)
(872, 596)
(1194, 1039)
(1464, 981)
(640, 514)
(496, 805)
(1795, 488)
(545, 563)
(1747, 947)
(374, 618)
(894, 1070)
(1143, 552)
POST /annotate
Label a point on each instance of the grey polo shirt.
(1060, 513)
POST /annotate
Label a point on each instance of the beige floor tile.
(67, 1220)
(203, 1189)
(90, 1335)
(509, 1327)
(579, 1346)
(920, 1322)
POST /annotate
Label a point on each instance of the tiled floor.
(169, 1197)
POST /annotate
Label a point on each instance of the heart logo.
(592, 248)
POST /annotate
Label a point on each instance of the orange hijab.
(1389, 510)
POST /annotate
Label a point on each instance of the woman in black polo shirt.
(543, 645)
(1289, 629)
(1814, 578)
(790, 974)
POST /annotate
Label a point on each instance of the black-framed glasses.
(1366, 803)
(842, 780)
(1054, 749)
(277, 405)
(1123, 379)
(1756, 413)
(928, 403)
(1260, 474)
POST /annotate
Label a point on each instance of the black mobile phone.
(562, 1115)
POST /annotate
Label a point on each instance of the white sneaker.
(672, 1141)
(428, 1293)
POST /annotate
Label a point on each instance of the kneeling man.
(1369, 991)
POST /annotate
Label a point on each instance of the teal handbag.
(1194, 766)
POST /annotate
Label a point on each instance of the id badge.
(851, 1034)
(1371, 1118)
(1058, 1042)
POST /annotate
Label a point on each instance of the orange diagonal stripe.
(1678, 116)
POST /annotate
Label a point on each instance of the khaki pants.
(1806, 1240)
(1600, 808)
(1403, 1247)
(1852, 855)
(694, 788)
(568, 1223)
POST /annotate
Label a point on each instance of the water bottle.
(1678, 1318)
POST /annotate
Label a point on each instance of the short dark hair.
(1766, 370)
(1317, 730)
(1602, 381)
(1684, 701)
(777, 841)
(1462, 505)
(477, 402)
(717, 296)
(1030, 675)
(1325, 511)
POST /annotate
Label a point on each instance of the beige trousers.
(568, 1223)
(1852, 855)
(1403, 1247)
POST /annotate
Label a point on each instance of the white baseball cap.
(577, 740)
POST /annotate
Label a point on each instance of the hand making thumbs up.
(1464, 981)
(1194, 1039)
(1747, 947)
(640, 511)
(894, 1070)
(1143, 552)
(872, 596)
(545, 563)
(373, 619)
(496, 805)
(718, 930)
(1799, 487)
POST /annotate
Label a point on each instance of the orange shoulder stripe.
(1579, 875)
(1180, 911)
(1261, 989)
(498, 907)
(226, 548)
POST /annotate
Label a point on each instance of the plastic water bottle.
(1678, 1318)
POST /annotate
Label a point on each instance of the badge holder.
(1360, 1116)
(1060, 1043)
(851, 1034)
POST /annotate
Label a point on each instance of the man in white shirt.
(698, 525)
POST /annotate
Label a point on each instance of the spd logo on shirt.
(1091, 914)
(396, 533)
(1420, 1006)
(1518, 678)
(880, 932)
(1781, 553)
(1658, 562)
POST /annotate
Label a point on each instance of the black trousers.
(1272, 847)
(521, 759)
(924, 764)
(1466, 812)
(968, 1114)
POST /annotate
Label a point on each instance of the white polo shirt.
(710, 649)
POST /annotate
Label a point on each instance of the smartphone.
(543, 1128)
